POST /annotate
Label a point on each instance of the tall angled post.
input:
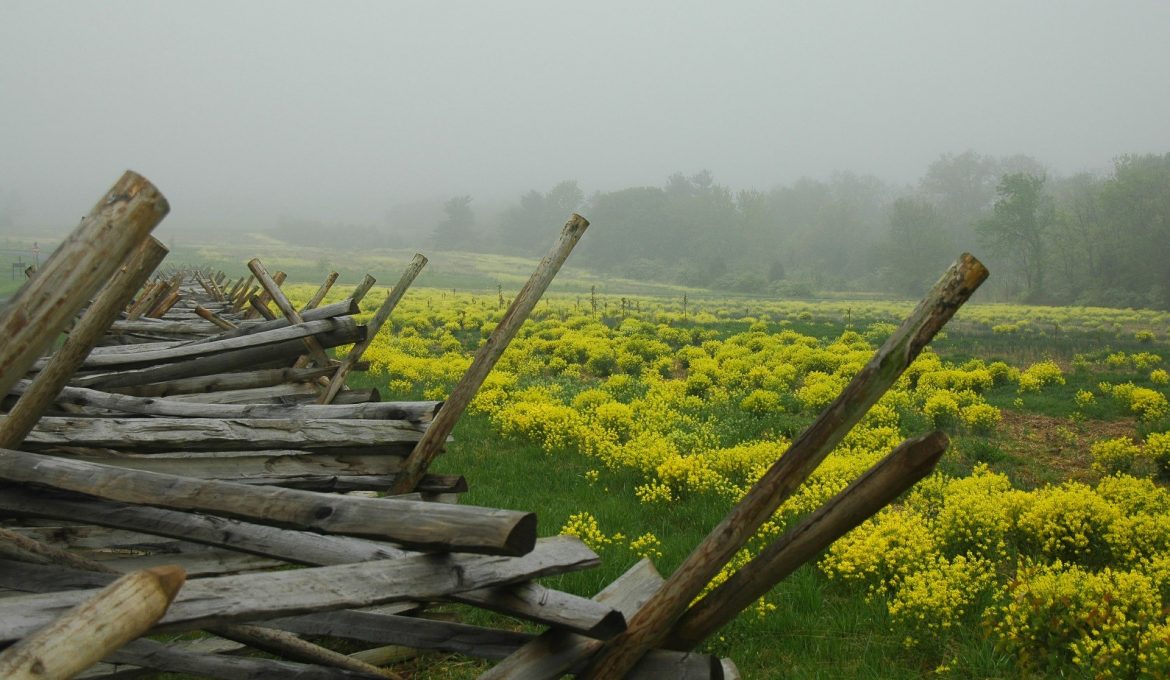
(380, 317)
(654, 621)
(485, 359)
(41, 309)
(97, 319)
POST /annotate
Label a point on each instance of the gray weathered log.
(244, 465)
(541, 604)
(301, 547)
(301, 591)
(219, 382)
(557, 650)
(251, 358)
(174, 658)
(136, 359)
(345, 307)
(531, 601)
(210, 434)
(477, 641)
(31, 319)
(385, 410)
(164, 327)
(412, 523)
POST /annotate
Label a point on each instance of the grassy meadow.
(1040, 547)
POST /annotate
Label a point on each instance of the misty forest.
(1085, 239)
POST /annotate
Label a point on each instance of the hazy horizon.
(246, 112)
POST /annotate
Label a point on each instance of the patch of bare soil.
(1058, 444)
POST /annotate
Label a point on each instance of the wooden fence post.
(322, 291)
(48, 383)
(654, 621)
(80, 637)
(881, 484)
(42, 307)
(380, 317)
(272, 288)
(487, 356)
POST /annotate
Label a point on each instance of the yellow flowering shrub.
(1040, 374)
(1055, 615)
(881, 552)
(980, 417)
(761, 402)
(937, 598)
(584, 526)
(1069, 522)
(1157, 447)
(1115, 455)
(942, 408)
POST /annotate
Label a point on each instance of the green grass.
(817, 629)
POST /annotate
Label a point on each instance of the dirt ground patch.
(1058, 444)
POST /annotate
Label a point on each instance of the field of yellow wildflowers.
(1041, 546)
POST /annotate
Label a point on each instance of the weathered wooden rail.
(184, 427)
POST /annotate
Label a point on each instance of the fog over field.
(249, 111)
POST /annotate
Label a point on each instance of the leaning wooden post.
(375, 325)
(165, 304)
(235, 288)
(22, 418)
(149, 298)
(654, 621)
(880, 485)
(432, 441)
(259, 308)
(81, 637)
(46, 303)
(214, 318)
(362, 288)
(322, 291)
(241, 297)
(278, 279)
(316, 351)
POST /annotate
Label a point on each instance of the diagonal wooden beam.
(487, 356)
(375, 325)
(654, 621)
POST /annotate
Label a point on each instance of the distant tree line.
(1082, 239)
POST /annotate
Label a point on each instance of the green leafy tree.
(1135, 206)
(454, 232)
(1017, 227)
(918, 247)
(531, 226)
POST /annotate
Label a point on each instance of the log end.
(522, 538)
(170, 578)
(610, 625)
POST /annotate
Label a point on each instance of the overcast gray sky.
(243, 111)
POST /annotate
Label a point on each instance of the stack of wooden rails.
(184, 444)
